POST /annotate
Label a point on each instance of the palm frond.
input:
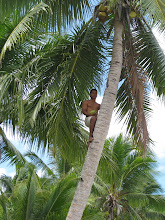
(23, 197)
(61, 17)
(152, 59)
(39, 163)
(133, 99)
(64, 14)
(5, 82)
(153, 203)
(154, 10)
(136, 170)
(22, 28)
(30, 198)
(93, 214)
(77, 79)
(132, 212)
(9, 152)
(54, 104)
(6, 184)
(18, 9)
(107, 164)
(4, 202)
(61, 195)
(156, 202)
(153, 215)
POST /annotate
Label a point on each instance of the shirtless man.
(90, 109)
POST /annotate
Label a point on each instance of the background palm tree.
(125, 187)
(130, 191)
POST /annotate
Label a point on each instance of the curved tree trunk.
(101, 129)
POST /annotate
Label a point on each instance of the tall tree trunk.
(101, 129)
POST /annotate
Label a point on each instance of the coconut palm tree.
(132, 36)
(139, 63)
(130, 191)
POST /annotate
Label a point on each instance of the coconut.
(108, 9)
(102, 8)
(93, 112)
(132, 14)
(102, 15)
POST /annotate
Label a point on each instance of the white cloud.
(160, 37)
(156, 126)
(12, 174)
(116, 127)
(9, 133)
(161, 168)
(99, 99)
(40, 173)
(2, 171)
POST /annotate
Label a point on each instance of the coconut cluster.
(103, 12)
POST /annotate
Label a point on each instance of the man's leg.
(91, 128)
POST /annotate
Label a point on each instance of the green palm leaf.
(155, 11)
(24, 194)
(152, 59)
(22, 28)
(39, 163)
(61, 196)
(133, 172)
(143, 63)
(60, 83)
(6, 184)
(9, 152)
(5, 203)
(132, 186)
(63, 14)
(15, 8)
(32, 186)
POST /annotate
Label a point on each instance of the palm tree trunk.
(110, 215)
(101, 129)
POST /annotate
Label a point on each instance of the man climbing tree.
(90, 110)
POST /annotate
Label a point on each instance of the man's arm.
(85, 108)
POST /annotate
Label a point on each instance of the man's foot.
(91, 139)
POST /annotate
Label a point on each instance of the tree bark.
(101, 129)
